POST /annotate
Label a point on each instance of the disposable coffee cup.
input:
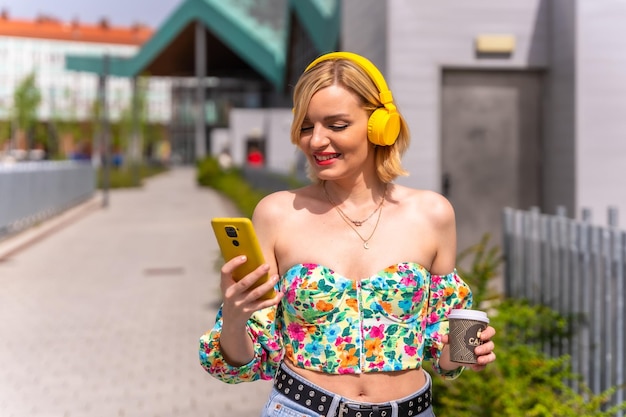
(465, 329)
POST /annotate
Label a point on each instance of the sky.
(118, 12)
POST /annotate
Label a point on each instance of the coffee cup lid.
(468, 315)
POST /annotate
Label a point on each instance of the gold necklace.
(350, 222)
(357, 223)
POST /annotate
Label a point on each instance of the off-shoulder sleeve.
(268, 350)
(447, 292)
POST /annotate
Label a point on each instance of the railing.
(577, 269)
(33, 191)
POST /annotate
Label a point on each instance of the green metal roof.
(244, 39)
(321, 20)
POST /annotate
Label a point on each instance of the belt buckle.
(371, 411)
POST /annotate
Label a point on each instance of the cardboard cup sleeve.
(465, 329)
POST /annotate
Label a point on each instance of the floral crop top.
(390, 321)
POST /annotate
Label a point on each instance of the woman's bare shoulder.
(280, 205)
(273, 205)
(428, 203)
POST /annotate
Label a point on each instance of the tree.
(133, 126)
(26, 100)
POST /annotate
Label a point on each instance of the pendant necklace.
(345, 216)
(352, 223)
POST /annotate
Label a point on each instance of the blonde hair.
(347, 74)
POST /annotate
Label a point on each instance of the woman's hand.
(485, 354)
(239, 300)
(485, 351)
(239, 303)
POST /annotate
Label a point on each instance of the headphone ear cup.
(383, 127)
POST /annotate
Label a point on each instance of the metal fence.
(33, 191)
(577, 269)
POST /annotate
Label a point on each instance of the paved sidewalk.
(102, 316)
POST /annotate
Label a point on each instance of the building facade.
(39, 46)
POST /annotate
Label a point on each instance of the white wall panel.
(601, 106)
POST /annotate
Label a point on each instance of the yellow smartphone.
(235, 237)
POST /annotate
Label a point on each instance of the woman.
(364, 268)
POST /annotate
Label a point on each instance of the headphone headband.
(367, 66)
(383, 126)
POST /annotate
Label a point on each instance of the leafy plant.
(134, 121)
(26, 100)
(483, 268)
(523, 381)
(231, 183)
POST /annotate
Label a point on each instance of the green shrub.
(230, 183)
(523, 381)
(483, 269)
(207, 170)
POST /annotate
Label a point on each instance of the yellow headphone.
(383, 126)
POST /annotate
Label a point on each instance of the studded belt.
(300, 391)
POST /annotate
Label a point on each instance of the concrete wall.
(601, 107)
(426, 36)
(364, 30)
(559, 139)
